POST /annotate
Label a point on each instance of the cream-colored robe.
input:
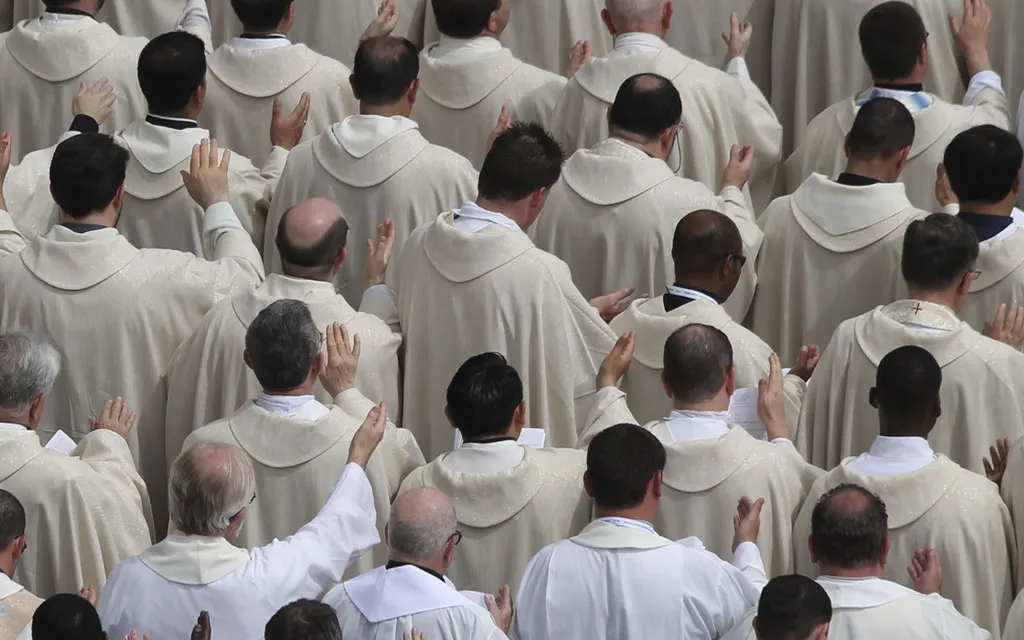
(84, 512)
(1012, 489)
(298, 462)
(945, 507)
(27, 192)
(405, 179)
(830, 252)
(460, 99)
(822, 150)
(508, 516)
(242, 84)
(1004, 44)
(1013, 628)
(653, 325)
(117, 314)
(460, 294)
(41, 69)
(17, 606)
(1001, 262)
(613, 214)
(719, 110)
(982, 391)
(207, 379)
(816, 59)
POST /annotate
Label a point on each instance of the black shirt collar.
(180, 124)
(854, 180)
(986, 226)
(82, 227)
(913, 87)
(490, 440)
(69, 12)
(263, 36)
(394, 564)
(673, 302)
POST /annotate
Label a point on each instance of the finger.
(356, 347)
(758, 506)
(734, 22)
(195, 162)
(775, 371)
(105, 412)
(725, 37)
(624, 293)
(988, 468)
(1000, 321)
(215, 159)
(130, 422)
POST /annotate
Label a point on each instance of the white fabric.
(17, 607)
(464, 49)
(638, 42)
(485, 457)
(361, 135)
(472, 218)
(194, 560)
(301, 407)
(689, 426)
(277, 41)
(891, 456)
(10, 426)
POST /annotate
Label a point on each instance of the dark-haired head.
(983, 165)
(647, 110)
(67, 616)
(939, 254)
(385, 74)
(485, 398)
(172, 75)
(282, 347)
(879, 143)
(470, 18)
(521, 167)
(906, 392)
(311, 239)
(707, 250)
(303, 620)
(87, 177)
(624, 467)
(893, 41)
(265, 16)
(12, 529)
(698, 368)
(793, 608)
(849, 531)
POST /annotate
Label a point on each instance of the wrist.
(978, 61)
(606, 380)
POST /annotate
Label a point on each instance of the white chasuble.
(508, 515)
(1001, 262)
(374, 168)
(208, 380)
(17, 606)
(830, 252)
(943, 506)
(982, 394)
(612, 215)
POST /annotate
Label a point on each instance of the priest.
(376, 165)
(19, 604)
(719, 109)
(1008, 472)
(613, 212)
(791, 606)
(208, 379)
(893, 40)
(831, 250)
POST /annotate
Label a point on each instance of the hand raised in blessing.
(207, 177)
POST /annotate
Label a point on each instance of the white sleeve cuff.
(981, 81)
(952, 209)
(738, 67)
(218, 219)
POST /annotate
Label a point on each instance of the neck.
(945, 298)
(1004, 208)
(696, 282)
(401, 108)
(917, 77)
(79, 6)
(101, 218)
(188, 113)
(512, 432)
(642, 512)
(652, 27)
(903, 428)
(7, 562)
(509, 210)
(15, 417)
(719, 403)
(304, 390)
(653, 148)
(252, 31)
(880, 169)
(434, 564)
(876, 571)
(316, 275)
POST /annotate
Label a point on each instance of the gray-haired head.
(421, 524)
(625, 12)
(210, 483)
(281, 345)
(28, 368)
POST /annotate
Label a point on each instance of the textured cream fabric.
(1001, 263)
(1013, 495)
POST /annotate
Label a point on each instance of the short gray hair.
(28, 367)
(210, 483)
(421, 522)
(632, 11)
(282, 342)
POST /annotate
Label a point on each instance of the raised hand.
(369, 435)
(747, 521)
(287, 132)
(943, 189)
(91, 594)
(926, 571)
(95, 100)
(771, 406)
(612, 304)
(741, 32)
(207, 178)
(202, 630)
(385, 22)
(116, 417)
(806, 362)
(504, 122)
(741, 165)
(579, 55)
(1008, 326)
(616, 363)
(378, 254)
(996, 468)
(501, 608)
(972, 35)
(342, 361)
(414, 635)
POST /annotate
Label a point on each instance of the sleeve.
(981, 81)
(273, 167)
(236, 262)
(986, 98)
(110, 456)
(195, 19)
(737, 68)
(757, 125)
(379, 301)
(793, 390)
(11, 240)
(531, 600)
(605, 408)
(747, 558)
(734, 205)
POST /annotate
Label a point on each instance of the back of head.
(67, 616)
(311, 237)
(702, 239)
(421, 523)
(849, 528)
(483, 396)
(792, 608)
(621, 462)
(172, 67)
(907, 388)
(86, 173)
(634, 11)
(384, 69)
(12, 519)
(646, 105)
(891, 37)
(938, 251)
(260, 15)
(210, 483)
(983, 164)
(463, 18)
(282, 342)
(303, 620)
(697, 361)
(883, 128)
(523, 159)
(28, 367)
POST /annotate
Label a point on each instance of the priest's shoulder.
(565, 461)
(970, 488)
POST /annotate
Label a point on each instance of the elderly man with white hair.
(411, 590)
(88, 510)
(197, 568)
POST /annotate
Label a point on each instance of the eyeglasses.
(323, 339)
(738, 257)
(975, 274)
(253, 498)
(458, 537)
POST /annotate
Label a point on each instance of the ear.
(846, 146)
(810, 547)
(200, 95)
(922, 57)
(656, 485)
(519, 418)
(666, 15)
(413, 91)
(448, 415)
(385, 533)
(873, 397)
(35, 412)
(352, 84)
(938, 408)
(668, 138)
(1016, 184)
(730, 382)
(118, 200)
(538, 197)
(886, 548)
(606, 18)
(494, 21)
(666, 387)
(755, 625)
(587, 486)
(449, 552)
(318, 366)
(289, 15)
(340, 260)
(245, 357)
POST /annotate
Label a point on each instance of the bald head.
(697, 361)
(646, 106)
(702, 239)
(849, 529)
(311, 237)
(384, 70)
(421, 523)
(210, 483)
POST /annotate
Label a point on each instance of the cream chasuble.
(297, 462)
(653, 326)
(374, 168)
(981, 395)
(1013, 495)
(719, 110)
(99, 299)
(244, 81)
(42, 64)
(508, 515)
(17, 607)
(208, 380)
(938, 122)
(830, 252)
(1013, 629)
(945, 507)
(1001, 262)
(464, 84)
(27, 192)
(612, 215)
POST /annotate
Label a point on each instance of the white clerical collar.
(639, 525)
(299, 407)
(485, 457)
(692, 294)
(639, 43)
(889, 456)
(1018, 223)
(58, 19)
(360, 135)
(464, 49)
(861, 593)
(472, 218)
(8, 587)
(194, 560)
(385, 594)
(271, 41)
(690, 426)
(10, 426)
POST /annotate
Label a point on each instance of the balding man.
(832, 250)
(296, 443)
(208, 380)
(376, 165)
(196, 568)
(719, 109)
(613, 211)
(708, 256)
(932, 502)
(411, 590)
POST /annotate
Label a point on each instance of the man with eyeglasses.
(411, 590)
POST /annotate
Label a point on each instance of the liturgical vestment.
(1013, 629)
(943, 506)
(85, 512)
(118, 313)
(375, 168)
(719, 110)
(612, 216)
(17, 607)
(1012, 489)
(208, 380)
(297, 458)
(465, 83)
(831, 252)
(247, 74)
(1001, 262)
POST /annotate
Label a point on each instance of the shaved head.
(421, 522)
(311, 237)
(702, 239)
(630, 11)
